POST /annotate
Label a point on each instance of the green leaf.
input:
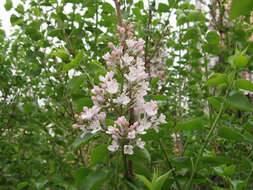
(99, 154)
(244, 84)
(61, 53)
(217, 79)
(213, 37)
(80, 141)
(240, 60)
(240, 7)
(20, 9)
(163, 8)
(237, 184)
(28, 108)
(80, 175)
(8, 5)
(145, 181)
(230, 134)
(74, 62)
(75, 83)
(159, 97)
(81, 102)
(139, 4)
(154, 82)
(22, 185)
(215, 102)
(238, 100)
(157, 185)
(191, 125)
(41, 182)
(230, 170)
(107, 8)
(211, 48)
(94, 180)
(140, 154)
(214, 160)
(16, 20)
(182, 162)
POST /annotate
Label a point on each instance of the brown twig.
(117, 4)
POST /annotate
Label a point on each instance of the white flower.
(140, 62)
(122, 122)
(112, 86)
(140, 130)
(101, 116)
(122, 99)
(130, 43)
(128, 149)
(127, 59)
(131, 134)
(87, 115)
(107, 77)
(95, 126)
(136, 74)
(112, 130)
(151, 108)
(114, 147)
(161, 119)
(107, 57)
(140, 143)
(145, 124)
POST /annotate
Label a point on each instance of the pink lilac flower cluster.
(122, 97)
(158, 63)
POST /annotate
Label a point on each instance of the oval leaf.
(238, 100)
(99, 154)
(244, 84)
(80, 141)
(230, 134)
(191, 125)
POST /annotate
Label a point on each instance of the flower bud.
(129, 34)
(119, 51)
(131, 27)
(97, 89)
(136, 124)
(122, 30)
(110, 45)
(93, 98)
(75, 126)
(140, 48)
(85, 108)
(101, 78)
(108, 64)
(113, 54)
(124, 23)
(103, 86)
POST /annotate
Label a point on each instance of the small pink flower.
(85, 108)
(122, 99)
(112, 86)
(114, 147)
(108, 64)
(151, 108)
(122, 122)
(75, 126)
(131, 134)
(140, 143)
(128, 149)
(107, 57)
(110, 45)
